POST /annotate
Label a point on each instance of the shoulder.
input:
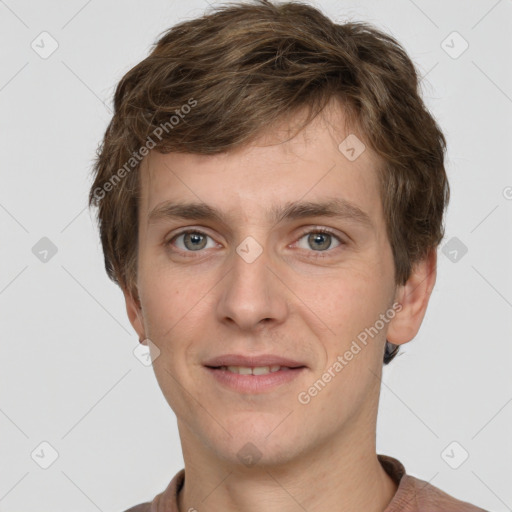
(416, 495)
(429, 497)
(142, 507)
(166, 500)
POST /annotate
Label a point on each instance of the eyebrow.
(336, 208)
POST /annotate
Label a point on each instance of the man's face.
(256, 283)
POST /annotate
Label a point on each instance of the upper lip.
(252, 361)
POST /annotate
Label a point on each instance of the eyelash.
(317, 254)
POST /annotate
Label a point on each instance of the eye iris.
(323, 239)
(194, 241)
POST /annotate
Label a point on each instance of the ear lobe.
(414, 296)
(134, 312)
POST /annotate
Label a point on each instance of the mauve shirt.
(412, 495)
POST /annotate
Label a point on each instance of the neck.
(343, 475)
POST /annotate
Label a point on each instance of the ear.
(134, 311)
(414, 296)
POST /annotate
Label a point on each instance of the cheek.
(165, 301)
(171, 306)
(176, 305)
(343, 309)
(342, 299)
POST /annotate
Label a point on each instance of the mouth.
(254, 370)
(266, 373)
(253, 361)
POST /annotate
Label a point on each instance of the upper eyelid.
(186, 231)
(327, 231)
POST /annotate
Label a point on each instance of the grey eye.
(193, 241)
(318, 241)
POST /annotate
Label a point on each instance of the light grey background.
(68, 375)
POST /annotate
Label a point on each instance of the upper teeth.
(257, 370)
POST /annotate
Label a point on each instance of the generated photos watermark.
(304, 397)
(137, 156)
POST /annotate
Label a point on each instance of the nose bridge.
(251, 293)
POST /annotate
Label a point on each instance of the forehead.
(276, 168)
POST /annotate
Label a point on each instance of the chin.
(257, 442)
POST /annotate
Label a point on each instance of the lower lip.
(254, 383)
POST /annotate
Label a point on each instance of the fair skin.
(200, 299)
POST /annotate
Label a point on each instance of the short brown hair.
(228, 75)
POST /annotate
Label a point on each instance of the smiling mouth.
(254, 379)
(254, 370)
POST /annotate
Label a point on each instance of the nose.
(252, 295)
